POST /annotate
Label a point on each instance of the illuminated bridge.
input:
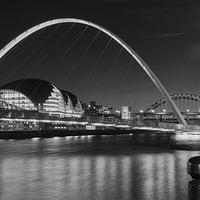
(188, 104)
(161, 113)
(54, 109)
(185, 103)
(61, 107)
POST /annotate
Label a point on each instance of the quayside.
(5, 135)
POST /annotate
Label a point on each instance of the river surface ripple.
(124, 167)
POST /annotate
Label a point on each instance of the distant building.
(126, 112)
(94, 109)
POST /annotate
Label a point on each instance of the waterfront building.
(94, 109)
(25, 103)
(126, 112)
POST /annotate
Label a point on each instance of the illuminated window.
(16, 100)
(55, 102)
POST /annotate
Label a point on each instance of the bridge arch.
(140, 61)
(174, 97)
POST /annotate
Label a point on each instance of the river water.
(124, 167)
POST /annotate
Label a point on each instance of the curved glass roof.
(35, 89)
(38, 90)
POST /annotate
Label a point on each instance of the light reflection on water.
(110, 167)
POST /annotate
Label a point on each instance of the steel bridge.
(188, 104)
(140, 61)
(185, 102)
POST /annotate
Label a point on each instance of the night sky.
(166, 34)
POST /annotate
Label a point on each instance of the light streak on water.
(90, 167)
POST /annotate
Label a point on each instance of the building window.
(16, 100)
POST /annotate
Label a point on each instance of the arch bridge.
(188, 104)
(185, 102)
(140, 61)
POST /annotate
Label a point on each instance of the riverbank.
(5, 135)
(81, 168)
(174, 144)
(185, 141)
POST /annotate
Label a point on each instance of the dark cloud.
(161, 35)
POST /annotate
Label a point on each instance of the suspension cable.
(51, 49)
(96, 62)
(113, 65)
(20, 51)
(152, 93)
(60, 60)
(111, 69)
(66, 52)
(137, 92)
(125, 77)
(32, 53)
(46, 54)
(80, 58)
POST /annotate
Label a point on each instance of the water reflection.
(114, 167)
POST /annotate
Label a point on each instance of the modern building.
(29, 101)
(126, 112)
(94, 109)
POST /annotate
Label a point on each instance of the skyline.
(165, 35)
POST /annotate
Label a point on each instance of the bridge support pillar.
(181, 140)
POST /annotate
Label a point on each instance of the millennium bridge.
(172, 112)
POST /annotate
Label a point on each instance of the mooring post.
(193, 168)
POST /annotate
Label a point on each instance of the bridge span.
(37, 124)
(140, 61)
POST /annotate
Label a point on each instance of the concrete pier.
(185, 140)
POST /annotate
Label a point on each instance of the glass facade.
(55, 102)
(57, 105)
(11, 99)
(54, 105)
(34, 104)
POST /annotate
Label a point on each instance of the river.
(124, 167)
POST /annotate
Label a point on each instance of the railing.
(189, 127)
(108, 120)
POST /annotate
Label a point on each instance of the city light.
(117, 111)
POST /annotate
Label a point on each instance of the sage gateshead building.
(34, 104)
